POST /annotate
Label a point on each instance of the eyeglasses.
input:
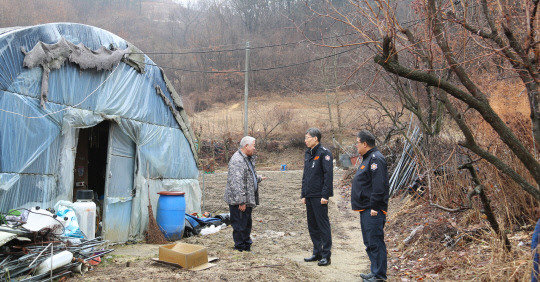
(307, 137)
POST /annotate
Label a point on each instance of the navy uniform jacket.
(370, 188)
(318, 173)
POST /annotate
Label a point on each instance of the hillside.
(298, 111)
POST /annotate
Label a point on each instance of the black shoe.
(238, 249)
(312, 258)
(248, 249)
(367, 275)
(374, 279)
(324, 262)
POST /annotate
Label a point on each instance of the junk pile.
(39, 245)
(407, 166)
(197, 224)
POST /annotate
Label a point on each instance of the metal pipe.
(30, 265)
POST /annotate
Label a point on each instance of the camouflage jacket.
(240, 183)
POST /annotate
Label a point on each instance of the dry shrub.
(512, 206)
(295, 136)
(274, 146)
(450, 246)
(196, 102)
(478, 253)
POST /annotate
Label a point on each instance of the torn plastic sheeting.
(114, 200)
(53, 56)
(6, 237)
(80, 118)
(7, 180)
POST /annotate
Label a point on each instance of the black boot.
(312, 258)
(324, 262)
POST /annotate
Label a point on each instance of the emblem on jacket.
(373, 166)
(327, 157)
(317, 157)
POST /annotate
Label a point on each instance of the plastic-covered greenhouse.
(81, 108)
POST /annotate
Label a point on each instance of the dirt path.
(280, 241)
(348, 258)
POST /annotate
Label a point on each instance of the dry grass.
(452, 246)
(477, 255)
(308, 110)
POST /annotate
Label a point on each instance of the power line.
(242, 49)
(415, 22)
(252, 70)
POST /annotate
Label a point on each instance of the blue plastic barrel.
(171, 214)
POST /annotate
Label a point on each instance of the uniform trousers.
(319, 227)
(373, 235)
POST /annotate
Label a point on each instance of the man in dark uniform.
(369, 196)
(317, 188)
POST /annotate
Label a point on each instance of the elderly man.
(369, 196)
(242, 192)
(317, 188)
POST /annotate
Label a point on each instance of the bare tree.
(271, 119)
(441, 47)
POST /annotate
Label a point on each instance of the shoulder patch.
(373, 166)
(327, 157)
(316, 158)
(324, 148)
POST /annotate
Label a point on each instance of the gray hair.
(314, 132)
(246, 140)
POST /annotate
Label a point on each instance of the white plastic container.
(86, 217)
(54, 262)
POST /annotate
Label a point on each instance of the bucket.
(85, 209)
(171, 214)
(345, 160)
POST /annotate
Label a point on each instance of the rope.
(64, 109)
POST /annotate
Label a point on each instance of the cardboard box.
(186, 255)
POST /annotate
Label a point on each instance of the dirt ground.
(280, 241)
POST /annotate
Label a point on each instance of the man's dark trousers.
(373, 235)
(241, 223)
(319, 227)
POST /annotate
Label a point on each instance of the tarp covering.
(38, 143)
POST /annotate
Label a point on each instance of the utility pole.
(246, 91)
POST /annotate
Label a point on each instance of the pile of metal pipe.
(406, 167)
(36, 258)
